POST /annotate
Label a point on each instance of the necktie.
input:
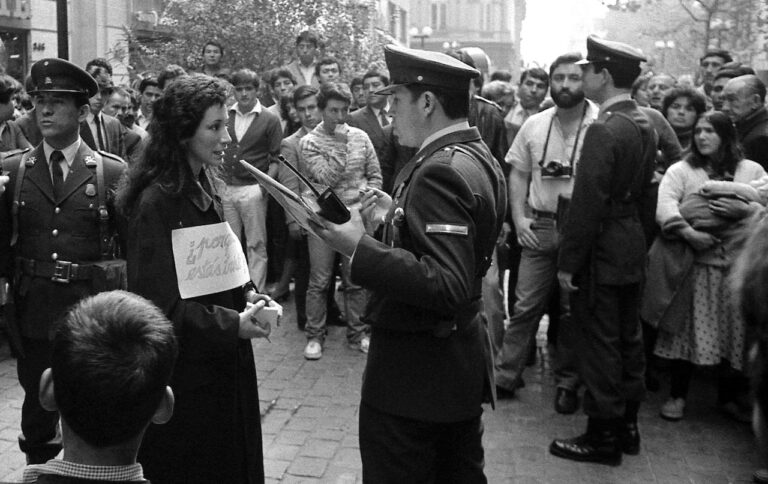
(383, 118)
(58, 174)
(97, 121)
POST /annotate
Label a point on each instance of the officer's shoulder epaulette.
(112, 156)
(12, 157)
(488, 101)
(4, 155)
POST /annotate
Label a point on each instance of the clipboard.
(295, 206)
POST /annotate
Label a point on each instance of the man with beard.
(543, 157)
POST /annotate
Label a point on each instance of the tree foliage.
(740, 26)
(260, 34)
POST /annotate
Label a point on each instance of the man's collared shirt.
(69, 155)
(133, 472)
(141, 119)
(519, 115)
(377, 112)
(307, 72)
(528, 149)
(243, 120)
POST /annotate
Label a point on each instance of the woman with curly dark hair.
(682, 106)
(706, 201)
(215, 432)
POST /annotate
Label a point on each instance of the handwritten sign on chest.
(209, 259)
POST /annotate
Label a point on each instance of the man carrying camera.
(543, 157)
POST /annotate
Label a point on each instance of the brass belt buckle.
(62, 271)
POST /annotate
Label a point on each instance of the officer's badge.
(90, 190)
(398, 217)
(31, 161)
(89, 161)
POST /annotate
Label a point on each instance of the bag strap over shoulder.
(105, 236)
(20, 171)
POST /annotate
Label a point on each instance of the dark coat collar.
(199, 197)
(462, 136)
(749, 123)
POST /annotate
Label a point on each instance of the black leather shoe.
(599, 446)
(566, 401)
(629, 438)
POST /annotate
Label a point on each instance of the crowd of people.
(616, 202)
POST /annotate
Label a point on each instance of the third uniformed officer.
(602, 255)
(429, 365)
(55, 223)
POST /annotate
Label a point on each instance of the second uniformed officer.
(429, 364)
(56, 222)
(602, 255)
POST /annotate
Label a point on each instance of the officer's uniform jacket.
(603, 235)
(427, 358)
(52, 231)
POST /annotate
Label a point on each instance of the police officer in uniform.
(602, 255)
(429, 366)
(52, 230)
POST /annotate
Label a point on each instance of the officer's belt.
(621, 210)
(58, 271)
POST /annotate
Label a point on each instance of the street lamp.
(421, 34)
(664, 45)
(451, 46)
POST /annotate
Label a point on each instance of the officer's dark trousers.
(400, 450)
(610, 346)
(40, 439)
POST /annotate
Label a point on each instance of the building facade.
(488, 24)
(97, 28)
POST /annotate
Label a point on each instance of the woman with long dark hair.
(706, 201)
(215, 432)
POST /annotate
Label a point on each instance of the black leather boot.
(599, 444)
(629, 435)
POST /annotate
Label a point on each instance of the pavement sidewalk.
(309, 421)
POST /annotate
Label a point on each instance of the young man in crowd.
(256, 136)
(149, 92)
(303, 68)
(111, 361)
(531, 92)
(281, 83)
(327, 70)
(343, 159)
(374, 116)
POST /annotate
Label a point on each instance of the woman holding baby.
(705, 208)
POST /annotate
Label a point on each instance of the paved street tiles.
(310, 411)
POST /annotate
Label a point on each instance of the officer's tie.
(58, 173)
